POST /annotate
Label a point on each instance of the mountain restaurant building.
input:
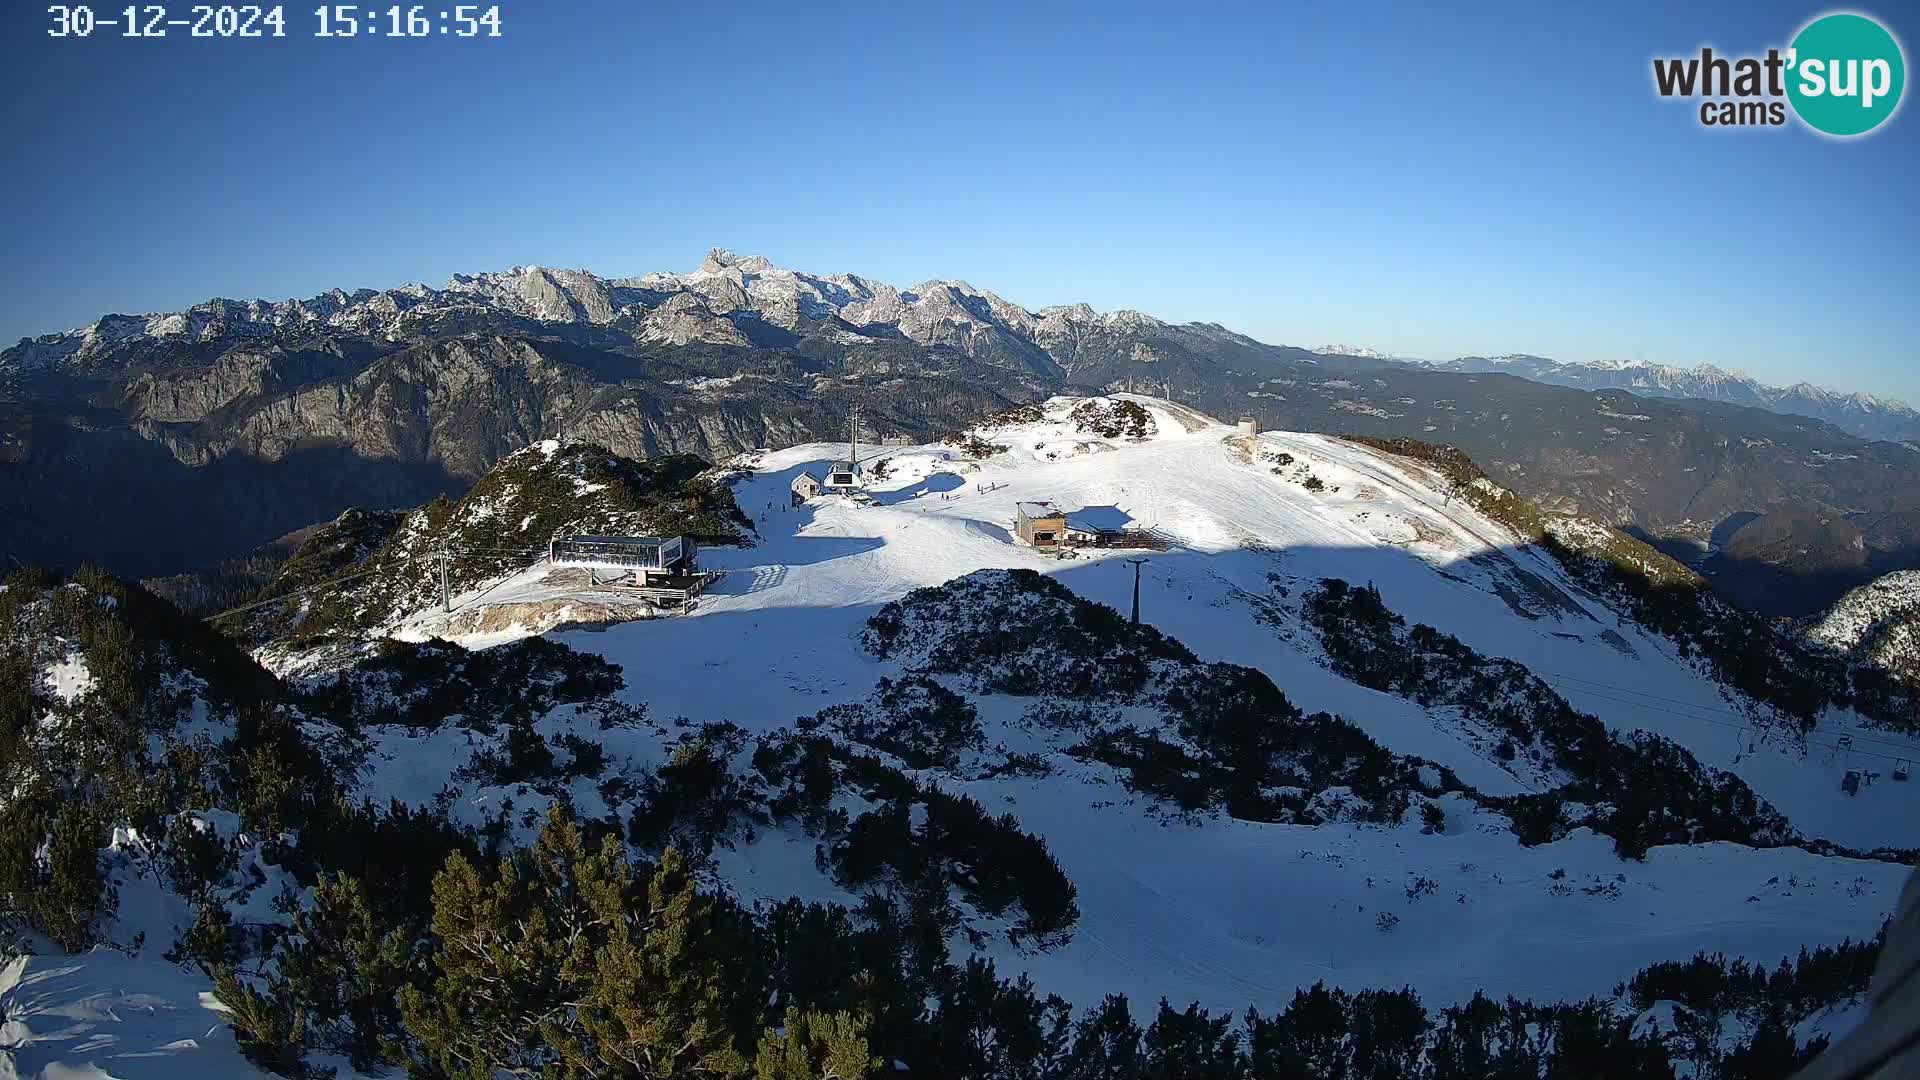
(1040, 524)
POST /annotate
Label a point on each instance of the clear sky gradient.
(1402, 176)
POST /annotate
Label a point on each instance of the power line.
(1706, 708)
(290, 594)
(490, 554)
(1807, 739)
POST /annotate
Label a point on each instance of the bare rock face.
(686, 318)
(566, 296)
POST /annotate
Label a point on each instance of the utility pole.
(853, 433)
(1136, 589)
(446, 596)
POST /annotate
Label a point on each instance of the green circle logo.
(1845, 74)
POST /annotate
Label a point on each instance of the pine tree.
(1389, 1034)
(509, 951)
(1106, 1044)
(665, 996)
(816, 1046)
(1308, 1039)
(270, 1031)
(349, 970)
(1192, 1045)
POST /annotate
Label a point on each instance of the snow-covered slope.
(1244, 522)
(367, 570)
(1193, 910)
(1258, 520)
(1200, 905)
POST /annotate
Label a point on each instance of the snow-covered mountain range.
(1385, 725)
(1865, 415)
(1356, 351)
(385, 398)
(747, 300)
(727, 300)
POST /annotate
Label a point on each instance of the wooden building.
(805, 486)
(1040, 524)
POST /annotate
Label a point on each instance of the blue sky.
(1431, 183)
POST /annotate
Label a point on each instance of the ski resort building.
(842, 477)
(1040, 524)
(1045, 525)
(1095, 526)
(658, 568)
(805, 486)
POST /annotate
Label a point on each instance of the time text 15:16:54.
(258, 21)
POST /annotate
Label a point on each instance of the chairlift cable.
(1808, 740)
(1702, 708)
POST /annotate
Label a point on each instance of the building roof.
(805, 476)
(623, 541)
(1038, 509)
(1099, 519)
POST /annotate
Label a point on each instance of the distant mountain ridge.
(729, 300)
(224, 426)
(744, 301)
(1864, 415)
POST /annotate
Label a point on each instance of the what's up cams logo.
(1842, 76)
